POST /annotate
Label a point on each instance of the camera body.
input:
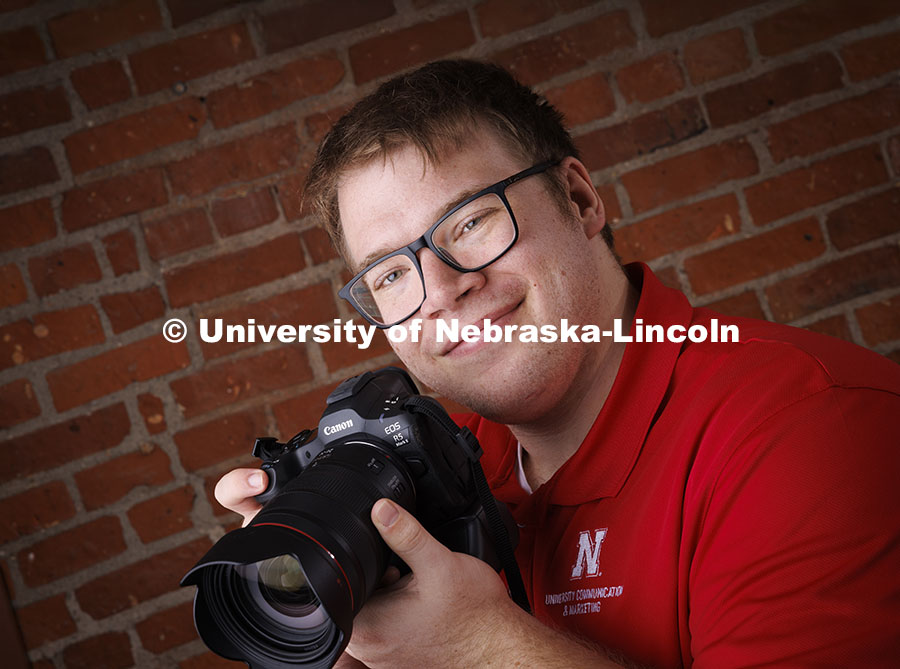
(283, 591)
(434, 481)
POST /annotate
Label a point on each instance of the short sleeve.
(798, 558)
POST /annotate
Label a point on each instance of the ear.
(584, 199)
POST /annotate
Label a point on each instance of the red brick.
(319, 245)
(399, 49)
(140, 581)
(583, 100)
(239, 161)
(207, 660)
(71, 551)
(820, 182)
(64, 269)
(865, 220)
(754, 257)
(134, 135)
(715, 56)
(274, 90)
(11, 5)
(611, 206)
(63, 442)
(185, 11)
(644, 134)
(836, 124)
(49, 333)
(17, 403)
(167, 629)
(649, 79)
(678, 229)
(290, 194)
(835, 282)
(110, 481)
(26, 169)
(689, 174)
(546, 57)
(111, 650)
(499, 17)
(93, 29)
(153, 412)
(26, 224)
(301, 412)
(122, 252)
(190, 57)
(46, 620)
(233, 272)
(12, 287)
(177, 233)
(297, 25)
(663, 16)
(836, 326)
(111, 198)
(35, 509)
(31, 109)
(811, 22)
(880, 321)
(114, 370)
(756, 96)
(894, 153)
(318, 125)
(128, 310)
(343, 354)
(744, 305)
(220, 439)
(163, 516)
(224, 384)
(101, 84)
(240, 214)
(20, 49)
(306, 306)
(872, 57)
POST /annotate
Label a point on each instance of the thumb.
(406, 537)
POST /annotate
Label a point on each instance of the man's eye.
(389, 277)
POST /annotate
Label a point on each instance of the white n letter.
(588, 553)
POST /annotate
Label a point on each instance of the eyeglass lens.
(471, 237)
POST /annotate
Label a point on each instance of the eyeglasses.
(468, 238)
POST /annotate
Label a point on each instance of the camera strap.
(464, 437)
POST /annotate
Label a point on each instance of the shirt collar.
(606, 457)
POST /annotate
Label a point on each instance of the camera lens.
(279, 588)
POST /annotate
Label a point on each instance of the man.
(679, 503)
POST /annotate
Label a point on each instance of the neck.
(550, 441)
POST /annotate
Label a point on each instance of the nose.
(445, 286)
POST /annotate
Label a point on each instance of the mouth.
(498, 317)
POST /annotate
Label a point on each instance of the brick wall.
(152, 155)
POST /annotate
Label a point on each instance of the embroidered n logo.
(588, 553)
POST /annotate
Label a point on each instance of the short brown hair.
(433, 108)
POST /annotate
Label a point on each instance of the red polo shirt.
(733, 504)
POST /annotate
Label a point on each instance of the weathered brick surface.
(26, 169)
(152, 161)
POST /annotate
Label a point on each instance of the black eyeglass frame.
(425, 241)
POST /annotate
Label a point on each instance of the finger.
(407, 538)
(391, 576)
(236, 489)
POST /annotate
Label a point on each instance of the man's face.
(556, 270)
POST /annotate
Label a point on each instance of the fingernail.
(255, 480)
(386, 513)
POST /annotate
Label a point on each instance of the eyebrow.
(443, 209)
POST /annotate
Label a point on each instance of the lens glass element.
(278, 586)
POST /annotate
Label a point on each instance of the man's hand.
(453, 610)
(235, 491)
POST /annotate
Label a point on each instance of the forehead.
(389, 201)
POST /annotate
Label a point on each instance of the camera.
(283, 591)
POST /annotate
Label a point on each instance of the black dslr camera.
(283, 591)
